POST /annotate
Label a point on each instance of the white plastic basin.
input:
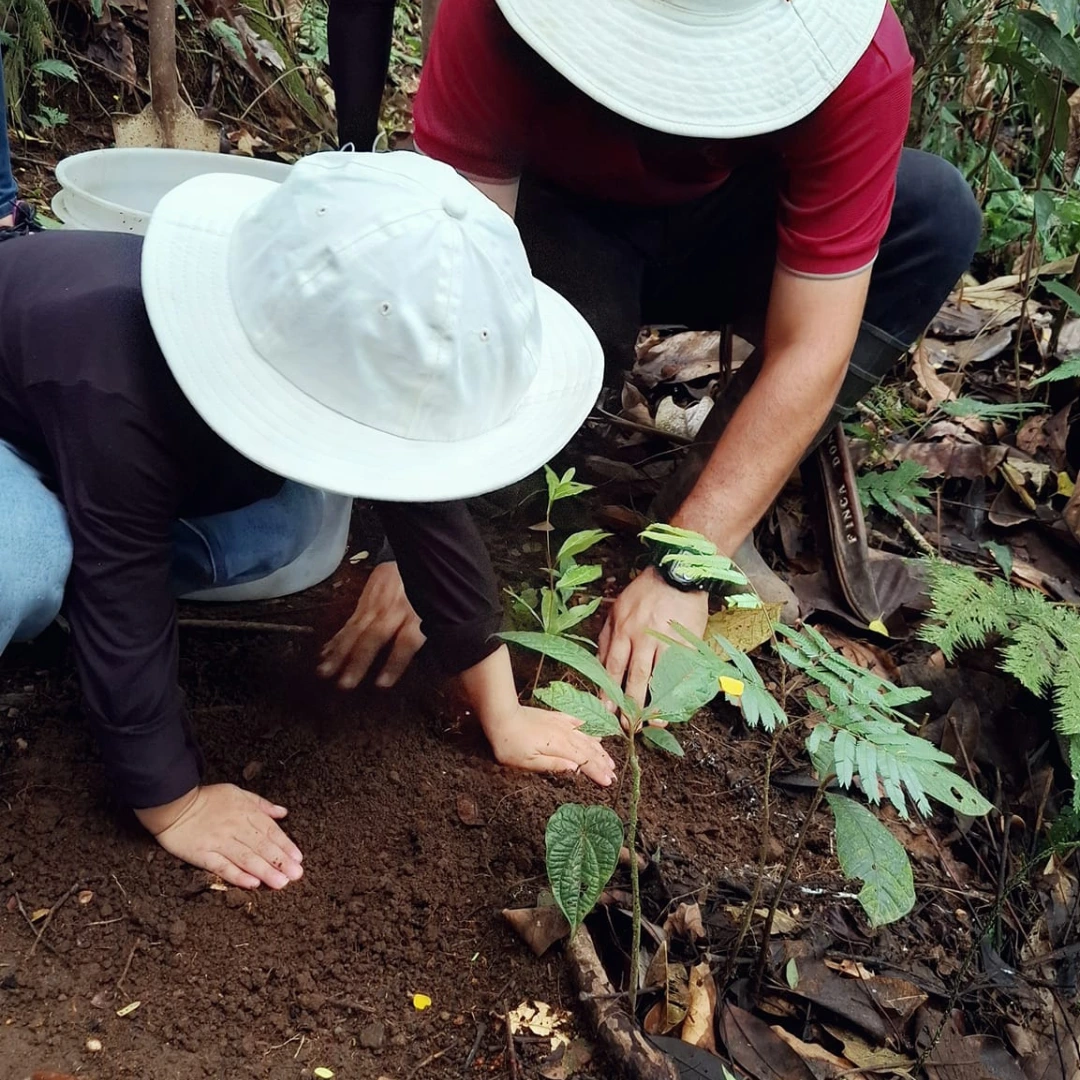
(116, 190)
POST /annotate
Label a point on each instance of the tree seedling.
(858, 737)
(552, 609)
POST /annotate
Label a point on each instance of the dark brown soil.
(399, 896)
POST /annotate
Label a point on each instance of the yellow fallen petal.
(1065, 485)
(734, 687)
(323, 1073)
(879, 628)
(127, 1010)
(40, 914)
(421, 1002)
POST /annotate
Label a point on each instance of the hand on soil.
(230, 832)
(383, 615)
(542, 741)
(627, 648)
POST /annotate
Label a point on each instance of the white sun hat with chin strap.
(717, 69)
(370, 326)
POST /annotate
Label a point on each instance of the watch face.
(678, 576)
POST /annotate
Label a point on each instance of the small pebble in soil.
(252, 771)
(373, 1036)
(235, 898)
(178, 933)
(93, 1045)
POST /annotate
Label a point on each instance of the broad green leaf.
(572, 616)
(573, 656)
(1064, 12)
(791, 973)
(596, 720)
(582, 852)
(1063, 292)
(681, 539)
(869, 852)
(579, 542)
(576, 577)
(866, 758)
(844, 749)
(57, 68)
(1060, 50)
(662, 739)
(943, 784)
(681, 684)
(549, 610)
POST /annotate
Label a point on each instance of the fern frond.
(984, 410)
(1031, 657)
(899, 487)
(1067, 699)
(1069, 370)
(965, 611)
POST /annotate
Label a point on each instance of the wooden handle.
(164, 82)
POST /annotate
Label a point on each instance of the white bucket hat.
(716, 69)
(370, 326)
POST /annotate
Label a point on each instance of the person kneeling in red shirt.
(702, 163)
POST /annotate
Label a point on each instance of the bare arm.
(810, 330)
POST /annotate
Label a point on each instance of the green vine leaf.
(573, 656)
(582, 852)
(578, 543)
(869, 852)
(662, 739)
(596, 720)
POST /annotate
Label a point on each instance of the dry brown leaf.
(745, 628)
(965, 1057)
(757, 1050)
(954, 459)
(685, 921)
(538, 927)
(684, 423)
(634, 405)
(865, 1056)
(937, 390)
(540, 1019)
(567, 1061)
(822, 1062)
(782, 924)
(974, 350)
(697, 1028)
(694, 354)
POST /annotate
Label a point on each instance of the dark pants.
(358, 36)
(710, 262)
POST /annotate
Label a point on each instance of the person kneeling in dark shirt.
(368, 327)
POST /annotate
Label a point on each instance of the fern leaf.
(1069, 370)
(1067, 697)
(965, 609)
(982, 410)
(1031, 657)
(895, 489)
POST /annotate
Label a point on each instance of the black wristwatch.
(670, 572)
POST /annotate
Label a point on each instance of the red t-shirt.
(491, 108)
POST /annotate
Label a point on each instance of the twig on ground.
(428, 1060)
(606, 417)
(30, 922)
(48, 918)
(280, 1045)
(511, 1050)
(127, 966)
(481, 1031)
(245, 624)
(919, 540)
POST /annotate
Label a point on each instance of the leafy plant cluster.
(551, 607)
(991, 95)
(27, 34)
(858, 738)
(1038, 642)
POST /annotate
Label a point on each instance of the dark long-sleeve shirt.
(87, 395)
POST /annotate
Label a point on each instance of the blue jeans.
(208, 552)
(8, 190)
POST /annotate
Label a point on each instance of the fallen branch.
(615, 1027)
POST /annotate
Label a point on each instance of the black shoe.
(25, 222)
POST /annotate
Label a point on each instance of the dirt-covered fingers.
(407, 642)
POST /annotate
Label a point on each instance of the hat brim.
(273, 423)
(711, 71)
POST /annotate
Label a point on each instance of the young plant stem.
(635, 886)
(796, 851)
(763, 858)
(551, 583)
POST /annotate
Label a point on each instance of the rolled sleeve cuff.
(460, 646)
